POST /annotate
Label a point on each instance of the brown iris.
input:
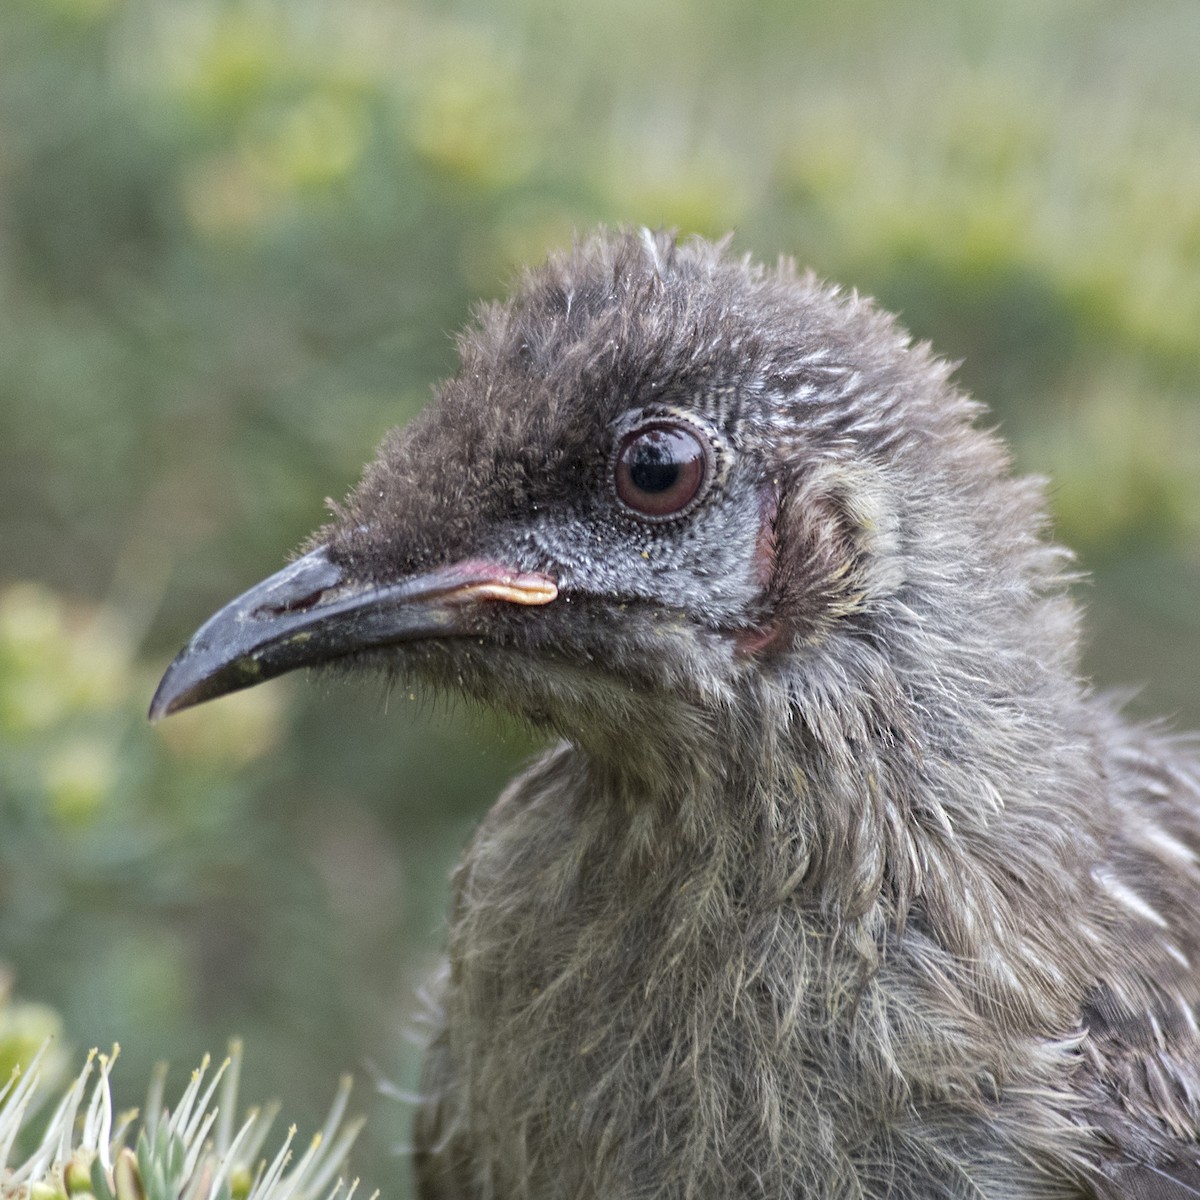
(661, 469)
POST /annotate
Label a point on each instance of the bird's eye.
(661, 469)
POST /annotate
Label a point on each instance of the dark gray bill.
(310, 613)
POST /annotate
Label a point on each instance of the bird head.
(665, 488)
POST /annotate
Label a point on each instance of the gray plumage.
(841, 883)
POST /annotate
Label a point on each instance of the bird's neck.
(854, 785)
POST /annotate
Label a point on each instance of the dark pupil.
(654, 466)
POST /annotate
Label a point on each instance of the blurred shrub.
(24, 1029)
(122, 851)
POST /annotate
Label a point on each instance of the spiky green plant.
(194, 1152)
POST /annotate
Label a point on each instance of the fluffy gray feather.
(841, 883)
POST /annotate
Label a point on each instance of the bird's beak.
(311, 613)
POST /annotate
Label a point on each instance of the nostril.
(293, 604)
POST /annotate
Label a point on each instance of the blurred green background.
(235, 237)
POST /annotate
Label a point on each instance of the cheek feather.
(764, 547)
(756, 640)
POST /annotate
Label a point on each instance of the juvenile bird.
(840, 882)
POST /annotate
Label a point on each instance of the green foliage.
(234, 236)
(190, 1152)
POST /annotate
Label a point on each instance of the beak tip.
(168, 697)
(197, 676)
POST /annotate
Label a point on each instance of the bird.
(837, 878)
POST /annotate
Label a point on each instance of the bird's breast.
(618, 1022)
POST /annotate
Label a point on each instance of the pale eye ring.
(662, 469)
